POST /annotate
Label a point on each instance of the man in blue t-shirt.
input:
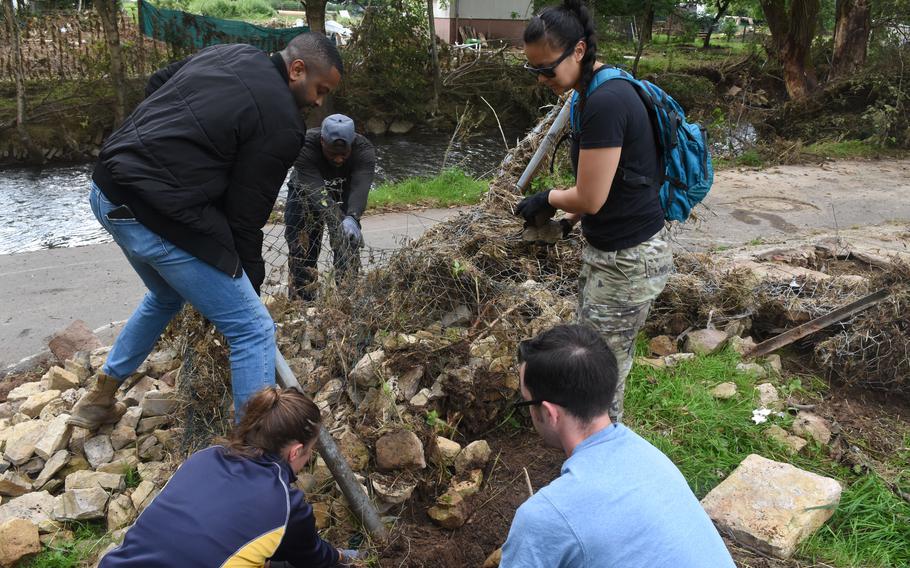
(619, 502)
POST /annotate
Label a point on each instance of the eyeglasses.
(550, 70)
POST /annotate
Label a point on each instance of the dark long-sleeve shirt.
(222, 511)
(351, 182)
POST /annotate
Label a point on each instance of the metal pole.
(544, 147)
(358, 500)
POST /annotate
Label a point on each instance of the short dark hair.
(572, 366)
(314, 48)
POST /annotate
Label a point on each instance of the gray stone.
(401, 449)
(8, 409)
(330, 392)
(33, 405)
(58, 378)
(813, 426)
(157, 403)
(88, 479)
(21, 441)
(51, 467)
(55, 438)
(420, 399)
(122, 436)
(446, 451)
(137, 392)
(32, 467)
(767, 395)
(150, 450)
(753, 370)
(160, 362)
(24, 391)
(54, 409)
(130, 418)
(81, 504)
(474, 456)
(705, 341)
(14, 484)
(366, 372)
(98, 450)
(400, 127)
(392, 489)
(409, 382)
(37, 507)
(771, 506)
(793, 443)
(774, 363)
(78, 436)
(156, 472)
(153, 423)
(677, 358)
(450, 511)
(4, 465)
(76, 337)
(724, 391)
(143, 495)
(376, 126)
(459, 316)
(741, 345)
(120, 513)
(79, 365)
(123, 461)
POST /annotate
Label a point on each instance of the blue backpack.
(682, 146)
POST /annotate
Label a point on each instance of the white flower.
(760, 415)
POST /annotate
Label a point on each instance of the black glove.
(566, 227)
(536, 209)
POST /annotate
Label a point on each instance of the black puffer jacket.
(201, 159)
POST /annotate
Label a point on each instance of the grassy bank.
(707, 438)
(447, 189)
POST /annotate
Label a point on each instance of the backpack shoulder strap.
(601, 76)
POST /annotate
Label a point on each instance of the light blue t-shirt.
(618, 503)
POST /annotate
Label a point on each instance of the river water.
(48, 208)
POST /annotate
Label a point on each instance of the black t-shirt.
(615, 116)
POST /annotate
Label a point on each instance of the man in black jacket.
(328, 189)
(185, 186)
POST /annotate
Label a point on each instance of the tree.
(315, 14)
(431, 21)
(109, 11)
(852, 27)
(9, 15)
(722, 6)
(792, 24)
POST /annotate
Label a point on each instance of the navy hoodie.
(219, 510)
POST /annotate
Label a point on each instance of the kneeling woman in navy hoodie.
(234, 505)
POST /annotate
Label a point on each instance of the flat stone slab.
(772, 506)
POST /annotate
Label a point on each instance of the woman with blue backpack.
(621, 169)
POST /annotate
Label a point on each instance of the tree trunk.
(434, 55)
(647, 27)
(722, 6)
(109, 10)
(647, 20)
(315, 15)
(792, 32)
(9, 14)
(851, 36)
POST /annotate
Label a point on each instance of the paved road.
(41, 292)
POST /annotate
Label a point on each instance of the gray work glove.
(351, 229)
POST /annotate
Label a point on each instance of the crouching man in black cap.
(328, 189)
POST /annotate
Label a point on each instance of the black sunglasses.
(525, 405)
(550, 70)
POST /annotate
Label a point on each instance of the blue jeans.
(173, 276)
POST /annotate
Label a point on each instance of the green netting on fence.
(193, 32)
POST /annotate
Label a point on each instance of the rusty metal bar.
(819, 323)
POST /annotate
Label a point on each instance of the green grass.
(707, 438)
(89, 540)
(845, 149)
(449, 188)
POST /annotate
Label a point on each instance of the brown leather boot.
(98, 405)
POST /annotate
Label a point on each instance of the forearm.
(574, 202)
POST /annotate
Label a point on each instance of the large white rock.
(705, 341)
(58, 378)
(120, 513)
(135, 394)
(55, 438)
(157, 403)
(81, 504)
(400, 450)
(772, 506)
(37, 507)
(130, 418)
(474, 456)
(86, 479)
(143, 495)
(813, 426)
(24, 391)
(21, 440)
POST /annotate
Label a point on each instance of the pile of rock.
(52, 473)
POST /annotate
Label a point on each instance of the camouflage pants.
(615, 292)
